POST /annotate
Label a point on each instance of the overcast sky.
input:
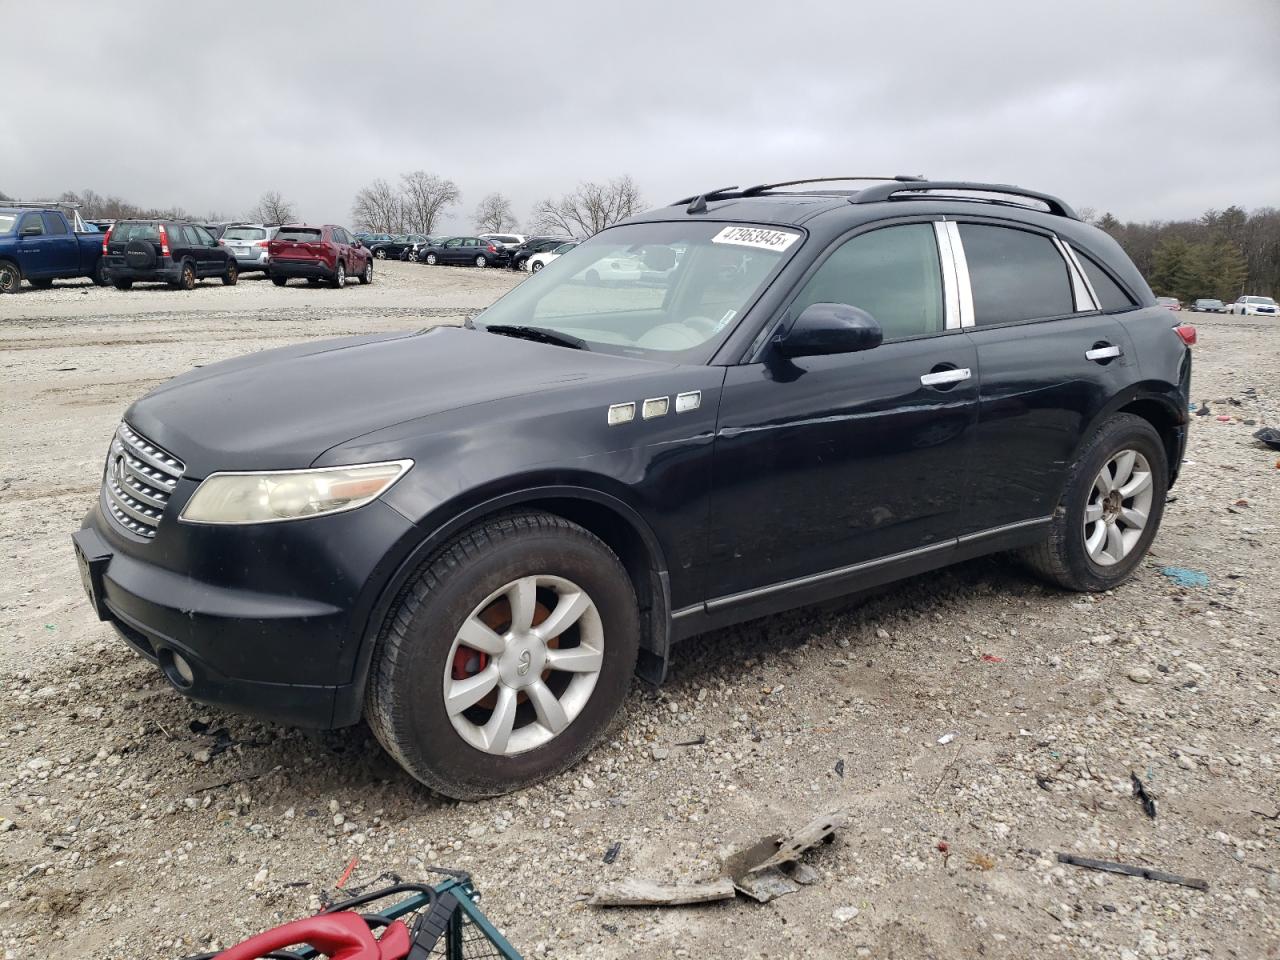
(1147, 108)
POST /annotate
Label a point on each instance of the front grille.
(138, 481)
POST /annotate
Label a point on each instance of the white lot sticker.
(756, 237)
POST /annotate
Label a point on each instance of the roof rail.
(760, 188)
(78, 223)
(890, 191)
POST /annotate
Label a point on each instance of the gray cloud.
(1148, 108)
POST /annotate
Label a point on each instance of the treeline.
(1224, 253)
(418, 202)
(270, 208)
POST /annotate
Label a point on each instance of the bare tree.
(494, 214)
(423, 198)
(588, 209)
(273, 208)
(378, 209)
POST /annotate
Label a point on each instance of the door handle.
(1105, 352)
(945, 376)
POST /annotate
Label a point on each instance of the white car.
(540, 260)
(1255, 307)
(508, 241)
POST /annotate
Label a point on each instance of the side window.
(1015, 275)
(340, 236)
(455, 242)
(203, 237)
(1110, 294)
(32, 226)
(892, 273)
(54, 224)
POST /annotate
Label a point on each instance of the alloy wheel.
(8, 278)
(341, 280)
(1119, 504)
(523, 665)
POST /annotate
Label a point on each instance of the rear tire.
(340, 276)
(122, 284)
(42, 283)
(99, 275)
(536, 266)
(187, 279)
(10, 277)
(279, 281)
(1064, 558)
(380, 254)
(481, 262)
(432, 259)
(418, 656)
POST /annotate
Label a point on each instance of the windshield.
(664, 290)
(7, 220)
(244, 233)
(1263, 300)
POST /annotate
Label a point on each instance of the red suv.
(316, 254)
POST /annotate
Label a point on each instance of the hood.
(280, 409)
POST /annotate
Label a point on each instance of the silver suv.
(248, 244)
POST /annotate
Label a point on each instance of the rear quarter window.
(6, 223)
(1111, 295)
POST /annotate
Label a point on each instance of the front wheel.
(366, 275)
(232, 276)
(279, 281)
(380, 254)
(432, 259)
(10, 277)
(99, 275)
(122, 284)
(42, 283)
(536, 266)
(507, 658)
(481, 261)
(1110, 508)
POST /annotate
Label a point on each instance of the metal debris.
(643, 893)
(1144, 795)
(1145, 873)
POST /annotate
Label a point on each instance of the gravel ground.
(127, 833)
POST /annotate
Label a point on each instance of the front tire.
(279, 281)
(366, 275)
(536, 266)
(42, 283)
(10, 277)
(380, 254)
(1110, 509)
(482, 262)
(232, 276)
(122, 284)
(99, 275)
(466, 693)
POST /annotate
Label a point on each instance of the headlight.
(290, 494)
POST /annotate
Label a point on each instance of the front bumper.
(266, 619)
(308, 269)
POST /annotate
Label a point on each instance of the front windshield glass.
(662, 290)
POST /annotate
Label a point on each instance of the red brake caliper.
(468, 662)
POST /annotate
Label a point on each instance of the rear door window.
(203, 237)
(1015, 275)
(1111, 295)
(54, 224)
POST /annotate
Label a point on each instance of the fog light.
(177, 669)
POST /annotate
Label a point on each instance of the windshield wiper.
(540, 334)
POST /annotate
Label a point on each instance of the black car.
(473, 536)
(167, 251)
(468, 251)
(395, 247)
(534, 245)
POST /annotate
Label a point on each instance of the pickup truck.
(42, 245)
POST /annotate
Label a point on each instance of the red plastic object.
(1187, 332)
(340, 936)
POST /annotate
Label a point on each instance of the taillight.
(106, 240)
(164, 241)
(492, 248)
(1186, 332)
(262, 243)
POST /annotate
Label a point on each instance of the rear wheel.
(279, 281)
(232, 275)
(535, 266)
(432, 259)
(10, 277)
(481, 261)
(340, 276)
(506, 658)
(122, 284)
(186, 279)
(1110, 509)
(380, 254)
(99, 275)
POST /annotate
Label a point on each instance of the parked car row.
(42, 245)
(1245, 306)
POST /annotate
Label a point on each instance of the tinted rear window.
(1110, 295)
(244, 233)
(300, 234)
(124, 232)
(7, 220)
(1015, 275)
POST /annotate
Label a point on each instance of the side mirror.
(828, 328)
(31, 231)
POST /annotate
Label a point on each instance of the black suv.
(473, 536)
(531, 246)
(169, 251)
